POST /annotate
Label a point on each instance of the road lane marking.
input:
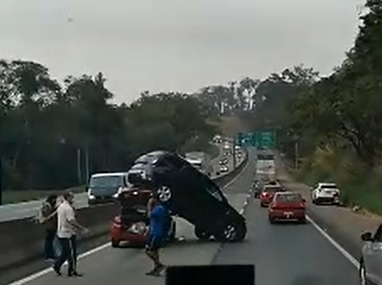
(43, 272)
(343, 251)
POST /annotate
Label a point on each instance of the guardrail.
(21, 240)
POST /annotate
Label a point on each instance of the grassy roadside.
(17, 196)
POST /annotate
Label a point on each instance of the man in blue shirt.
(158, 218)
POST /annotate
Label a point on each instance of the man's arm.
(70, 217)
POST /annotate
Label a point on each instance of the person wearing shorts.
(158, 217)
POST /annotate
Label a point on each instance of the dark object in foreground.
(211, 274)
(190, 194)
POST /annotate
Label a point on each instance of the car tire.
(114, 243)
(164, 193)
(232, 231)
(362, 274)
(271, 220)
(201, 234)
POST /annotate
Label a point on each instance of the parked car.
(223, 169)
(223, 161)
(287, 206)
(268, 193)
(131, 225)
(370, 264)
(104, 187)
(190, 194)
(326, 193)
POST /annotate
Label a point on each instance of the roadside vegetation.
(331, 127)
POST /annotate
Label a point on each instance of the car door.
(372, 254)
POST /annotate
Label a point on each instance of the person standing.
(67, 226)
(158, 218)
(49, 221)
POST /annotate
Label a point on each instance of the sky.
(177, 45)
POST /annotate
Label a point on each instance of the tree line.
(54, 135)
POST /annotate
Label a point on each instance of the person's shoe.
(75, 274)
(58, 273)
(160, 268)
(151, 273)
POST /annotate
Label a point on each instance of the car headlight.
(138, 228)
(91, 197)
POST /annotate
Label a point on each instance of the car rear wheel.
(271, 220)
(164, 193)
(232, 231)
(302, 220)
(201, 234)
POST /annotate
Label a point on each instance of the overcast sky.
(179, 45)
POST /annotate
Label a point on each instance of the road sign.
(266, 139)
(257, 139)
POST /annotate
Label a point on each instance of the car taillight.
(117, 222)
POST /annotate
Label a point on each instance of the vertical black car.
(190, 194)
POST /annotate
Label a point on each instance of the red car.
(268, 193)
(287, 206)
(132, 224)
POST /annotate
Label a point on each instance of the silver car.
(370, 268)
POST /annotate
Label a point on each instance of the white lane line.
(343, 251)
(43, 272)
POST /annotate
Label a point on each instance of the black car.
(189, 194)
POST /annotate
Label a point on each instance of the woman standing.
(49, 221)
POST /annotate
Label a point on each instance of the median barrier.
(21, 241)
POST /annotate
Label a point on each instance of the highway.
(288, 254)
(29, 209)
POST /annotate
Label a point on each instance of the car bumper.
(286, 214)
(97, 201)
(265, 202)
(328, 199)
(120, 234)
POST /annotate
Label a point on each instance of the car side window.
(378, 234)
(174, 161)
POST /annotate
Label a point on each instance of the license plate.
(288, 214)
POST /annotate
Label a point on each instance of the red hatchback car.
(132, 224)
(287, 206)
(267, 194)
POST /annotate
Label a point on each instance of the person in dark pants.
(49, 221)
(67, 227)
(158, 219)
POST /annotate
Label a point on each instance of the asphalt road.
(29, 209)
(130, 264)
(284, 254)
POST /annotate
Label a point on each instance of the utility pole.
(296, 152)
(79, 174)
(1, 181)
(234, 153)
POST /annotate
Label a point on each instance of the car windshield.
(288, 198)
(329, 186)
(106, 181)
(272, 189)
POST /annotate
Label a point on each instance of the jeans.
(49, 244)
(68, 253)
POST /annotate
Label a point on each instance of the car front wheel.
(201, 234)
(114, 243)
(164, 193)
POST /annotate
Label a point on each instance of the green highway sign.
(257, 139)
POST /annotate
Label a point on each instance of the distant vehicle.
(268, 193)
(237, 147)
(218, 139)
(370, 270)
(201, 161)
(223, 161)
(189, 194)
(287, 206)
(265, 166)
(258, 188)
(131, 225)
(326, 193)
(104, 187)
(227, 147)
(223, 169)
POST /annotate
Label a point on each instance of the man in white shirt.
(67, 226)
